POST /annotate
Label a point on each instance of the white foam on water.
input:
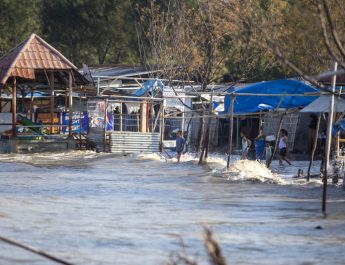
(150, 156)
(253, 171)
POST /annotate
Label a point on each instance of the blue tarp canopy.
(149, 86)
(251, 104)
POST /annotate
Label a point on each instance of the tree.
(89, 31)
(189, 42)
(18, 19)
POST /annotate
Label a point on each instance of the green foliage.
(105, 32)
(18, 19)
(91, 31)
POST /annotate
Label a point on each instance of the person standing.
(311, 132)
(180, 143)
(260, 145)
(283, 145)
(245, 146)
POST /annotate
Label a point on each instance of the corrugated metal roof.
(120, 70)
(322, 104)
(30, 55)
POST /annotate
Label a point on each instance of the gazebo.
(34, 62)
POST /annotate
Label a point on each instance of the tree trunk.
(200, 136)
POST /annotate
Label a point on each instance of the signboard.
(96, 110)
(80, 122)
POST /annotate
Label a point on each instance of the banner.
(96, 110)
(80, 122)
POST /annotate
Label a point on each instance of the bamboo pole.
(314, 146)
(277, 140)
(14, 107)
(328, 140)
(231, 130)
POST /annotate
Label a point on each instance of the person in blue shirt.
(180, 142)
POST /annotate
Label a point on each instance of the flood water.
(90, 208)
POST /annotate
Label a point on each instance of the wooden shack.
(35, 63)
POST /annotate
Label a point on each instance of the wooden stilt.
(231, 130)
(314, 146)
(14, 107)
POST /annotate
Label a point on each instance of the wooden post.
(52, 103)
(14, 107)
(277, 140)
(204, 141)
(121, 116)
(143, 117)
(32, 104)
(231, 130)
(161, 127)
(201, 133)
(208, 141)
(202, 136)
(328, 139)
(105, 124)
(70, 104)
(80, 117)
(314, 146)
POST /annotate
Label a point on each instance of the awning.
(322, 104)
(261, 96)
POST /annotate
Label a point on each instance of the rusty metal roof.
(31, 55)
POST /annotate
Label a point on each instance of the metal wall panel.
(134, 142)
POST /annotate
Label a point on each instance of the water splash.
(249, 170)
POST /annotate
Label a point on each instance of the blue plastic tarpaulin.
(251, 104)
(149, 86)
